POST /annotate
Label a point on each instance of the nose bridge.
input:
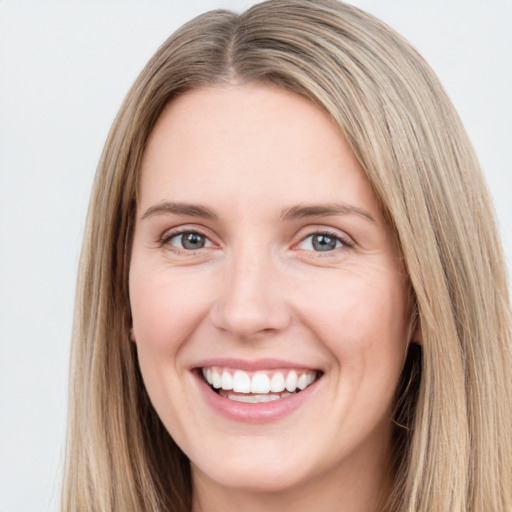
(251, 301)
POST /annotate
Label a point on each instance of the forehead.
(249, 140)
(239, 116)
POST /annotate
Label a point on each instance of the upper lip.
(252, 364)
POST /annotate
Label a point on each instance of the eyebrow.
(305, 211)
(291, 213)
(190, 210)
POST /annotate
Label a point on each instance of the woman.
(291, 290)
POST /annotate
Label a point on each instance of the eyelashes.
(321, 241)
(324, 241)
(188, 240)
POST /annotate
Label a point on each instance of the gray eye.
(324, 242)
(189, 241)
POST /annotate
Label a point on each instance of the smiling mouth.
(260, 386)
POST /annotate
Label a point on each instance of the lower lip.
(263, 412)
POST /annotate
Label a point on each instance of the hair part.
(453, 448)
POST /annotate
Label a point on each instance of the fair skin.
(261, 249)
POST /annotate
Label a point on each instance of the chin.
(259, 477)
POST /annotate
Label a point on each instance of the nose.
(251, 302)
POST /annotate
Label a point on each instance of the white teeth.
(227, 380)
(277, 383)
(302, 382)
(260, 383)
(256, 399)
(241, 382)
(217, 380)
(291, 381)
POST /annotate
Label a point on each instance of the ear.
(132, 335)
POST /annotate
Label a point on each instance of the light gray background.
(65, 67)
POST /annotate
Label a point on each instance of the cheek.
(165, 309)
(360, 308)
(364, 324)
(164, 316)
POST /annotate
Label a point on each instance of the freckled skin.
(260, 288)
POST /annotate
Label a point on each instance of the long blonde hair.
(453, 439)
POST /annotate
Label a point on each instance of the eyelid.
(169, 234)
(346, 241)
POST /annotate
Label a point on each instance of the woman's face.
(262, 263)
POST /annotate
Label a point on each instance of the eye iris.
(324, 243)
(192, 241)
